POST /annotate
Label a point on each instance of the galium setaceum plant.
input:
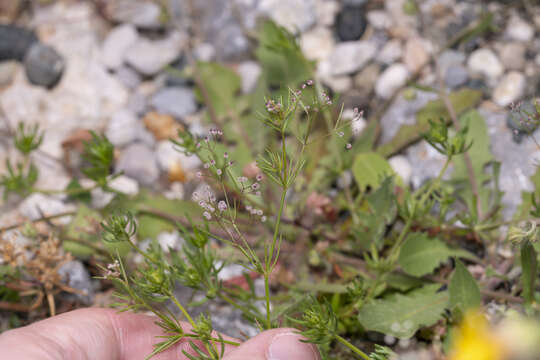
(390, 233)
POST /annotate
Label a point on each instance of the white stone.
(175, 192)
(400, 164)
(317, 44)
(231, 271)
(7, 71)
(170, 241)
(204, 52)
(100, 198)
(379, 19)
(249, 72)
(519, 30)
(117, 42)
(294, 15)
(150, 56)
(416, 54)
(512, 55)
(326, 11)
(86, 96)
(339, 84)
(349, 57)
(38, 205)
(143, 14)
(485, 62)
(125, 185)
(510, 89)
(394, 77)
(391, 52)
(168, 156)
(122, 128)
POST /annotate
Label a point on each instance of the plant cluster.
(376, 254)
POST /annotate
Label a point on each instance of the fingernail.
(287, 346)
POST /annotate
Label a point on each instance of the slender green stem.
(183, 310)
(354, 349)
(75, 191)
(267, 298)
(435, 182)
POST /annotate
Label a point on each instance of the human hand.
(104, 334)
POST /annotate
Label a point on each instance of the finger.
(90, 334)
(278, 344)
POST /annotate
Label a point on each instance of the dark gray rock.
(43, 65)
(351, 23)
(15, 42)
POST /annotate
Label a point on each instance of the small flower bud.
(222, 206)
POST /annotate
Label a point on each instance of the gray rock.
(249, 72)
(513, 55)
(450, 58)
(390, 53)
(43, 65)
(518, 160)
(138, 162)
(137, 103)
(401, 165)
(349, 57)
(403, 112)
(122, 128)
(75, 275)
(426, 163)
(455, 76)
(128, 77)
(150, 56)
(485, 62)
(175, 101)
(394, 77)
(365, 80)
(117, 42)
(143, 14)
(38, 205)
(509, 89)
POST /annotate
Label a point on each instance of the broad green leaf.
(480, 156)
(381, 211)
(281, 58)
(221, 86)
(529, 267)
(420, 254)
(370, 169)
(461, 100)
(463, 290)
(403, 282)
(402, 315)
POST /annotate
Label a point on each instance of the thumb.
(277, 344)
